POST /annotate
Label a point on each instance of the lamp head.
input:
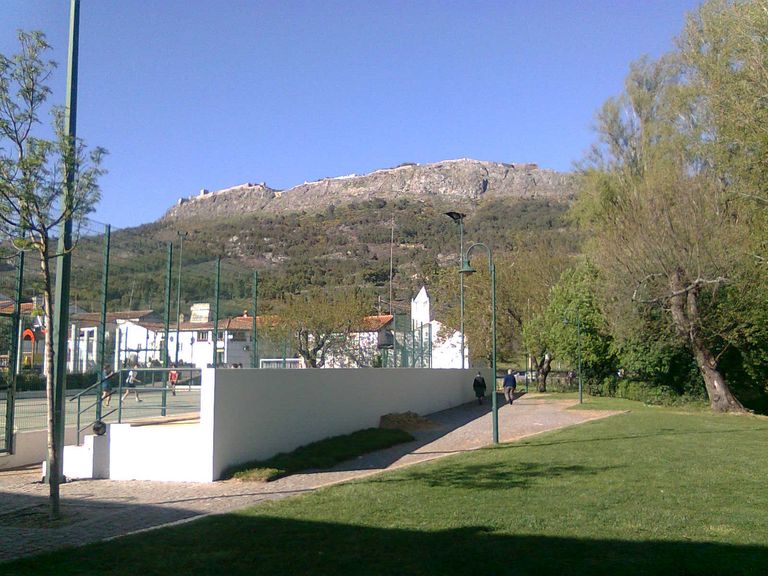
(466, 268)
(455, 216)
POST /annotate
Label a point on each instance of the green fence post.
(13, 355)
(394, 340)
(103, 317)
(254, 328)
(421, 345)
(166, 326)
(120, 397)
(60, 316)
(429, 356)
(216, 313)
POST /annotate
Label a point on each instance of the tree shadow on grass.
(491, 476)
(655, 434)
(251, 544)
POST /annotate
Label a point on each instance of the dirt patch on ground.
(408, 421)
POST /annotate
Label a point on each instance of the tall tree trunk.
(543, 367)
(720, 397)
(55, 471)
(686, 316)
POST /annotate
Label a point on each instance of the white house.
(445, 348)
(82, 352)
(361, 348)
(191, 343)
(138, 336)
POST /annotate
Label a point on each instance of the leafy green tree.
(571, 326)
(723, 52)
(541, 261)
(318, 322)
(33, 173)
(664, 199)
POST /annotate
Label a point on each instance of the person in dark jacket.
(478, 385)
(510, 385)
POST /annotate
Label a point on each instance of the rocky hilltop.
(464, 180)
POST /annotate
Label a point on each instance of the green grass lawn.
(652, 491)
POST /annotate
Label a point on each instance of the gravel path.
(94, 510)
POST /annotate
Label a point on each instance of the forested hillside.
(344, 246)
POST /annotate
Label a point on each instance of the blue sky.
(191, 94)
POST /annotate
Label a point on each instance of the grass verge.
(652, 491)
(612, 403)
(319, 455)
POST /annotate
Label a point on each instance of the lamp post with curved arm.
(458, 217)
(466, 268)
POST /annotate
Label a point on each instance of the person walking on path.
(478, 385)
(510, 385)
(131, 384)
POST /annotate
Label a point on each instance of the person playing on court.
(173, 379)
(131, 384)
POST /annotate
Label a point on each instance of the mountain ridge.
(461, 179)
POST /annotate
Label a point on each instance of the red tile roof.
(245, 323)
(375, 323)
(6, 307)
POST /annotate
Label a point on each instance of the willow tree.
(669, 230)
(33, 167)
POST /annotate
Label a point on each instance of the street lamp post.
(181, 236)
(466, 268)
(458, 217)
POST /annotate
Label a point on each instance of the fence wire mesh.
(150, 299)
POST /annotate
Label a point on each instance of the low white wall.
(172, 452)
(254, 414)
(31, 447)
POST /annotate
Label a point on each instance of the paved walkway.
(100, 509)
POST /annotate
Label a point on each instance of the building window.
(202, 336)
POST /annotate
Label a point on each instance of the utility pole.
(60, 317)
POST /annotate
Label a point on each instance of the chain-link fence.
(153, 298)
(409, 345)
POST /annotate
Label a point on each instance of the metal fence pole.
(166, 325)
(394, 340)
(216, 313)
(181, 236)
(60, 316)
(13, 355)
(254, 328)
(421, 345)
(429, 357)
(103, 317)
(120, 397)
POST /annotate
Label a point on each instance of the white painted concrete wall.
(31, 447)
(258, 413)
(90, 460)
(253, 414)
(169, 452)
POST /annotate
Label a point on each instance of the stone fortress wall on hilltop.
(468, 180)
